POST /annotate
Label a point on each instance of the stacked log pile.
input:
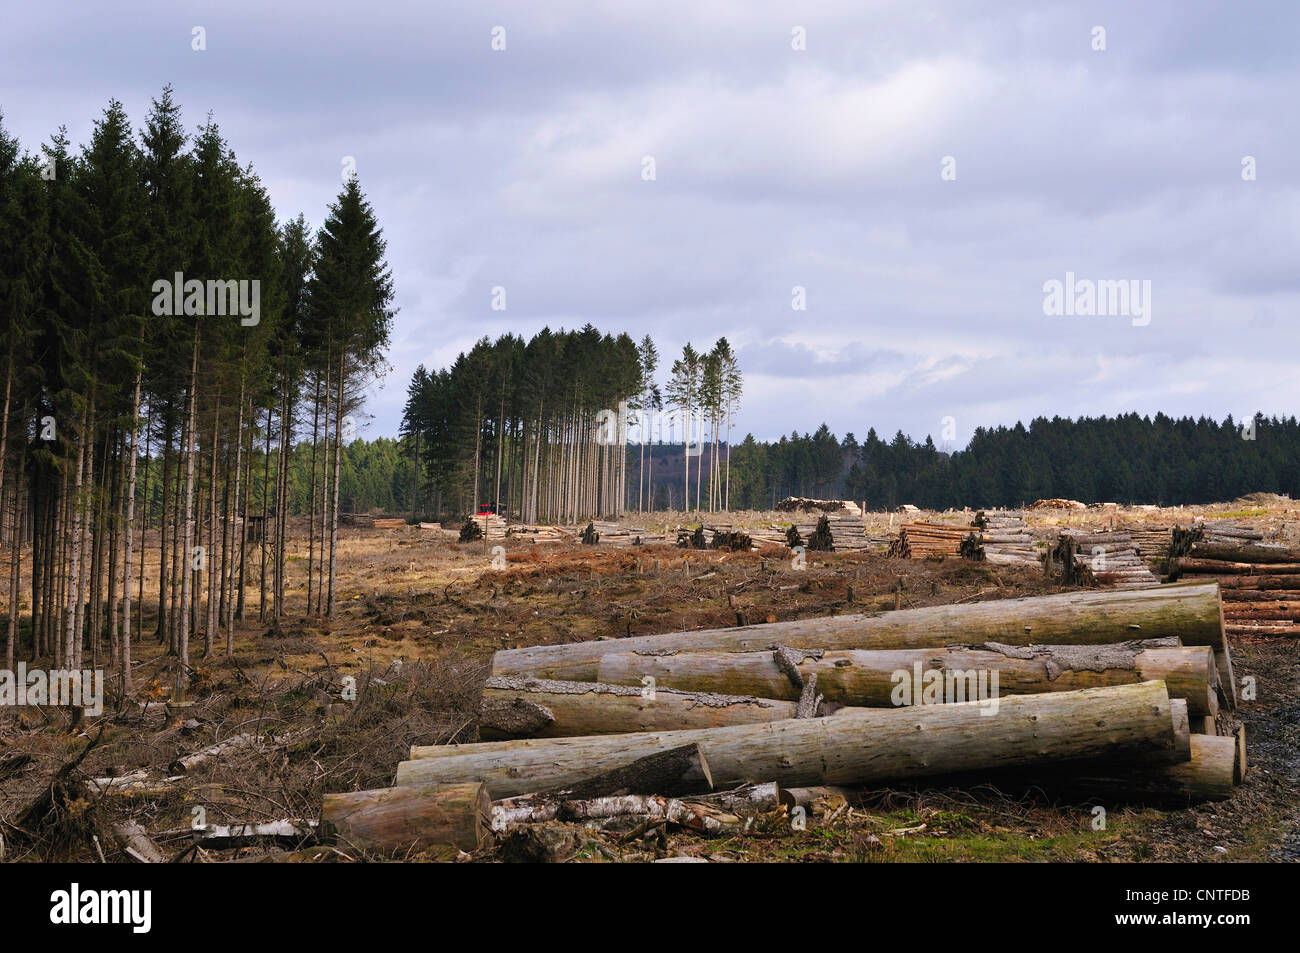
(490, 525)
(921, 540)
(1260, 581)
(1108, 693)
(1152, 544)
(1005, 540)
(847, 531)
(538, 534)
(1109, 559)
(617, 534)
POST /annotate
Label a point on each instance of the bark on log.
(138, 845)
(681, 770)
(1284, 583)
(1281, 597)
(288, 832)
(806, 797)
(136, 785)
(857, 746)
(1188, 611)
(438, 818)
(1286, 631)
(191, 761)
(747, 800)
(592, 708)
(885, 679)
(1267, 614)
(1220, 567)
(693, 815)
(1243, 554)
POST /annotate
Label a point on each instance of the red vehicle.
(485, 509)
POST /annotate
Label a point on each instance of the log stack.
(1114, 694)
(1152, 544)
(1109, 559)
(847, 531)
(1005, 539)
(922, 540)
(538, 534)
(1260, 581)
(491, 525)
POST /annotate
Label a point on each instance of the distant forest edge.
(1126, 459)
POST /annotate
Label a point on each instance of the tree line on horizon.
(136, 395)
(1128, 459)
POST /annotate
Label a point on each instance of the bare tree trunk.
(311, 498)
(240, 515)
(210, 628)
(325, 493)
(266, 488)
(144, 528)
(243, 525)
(338, 461)
(72, 542)
(4, 425)
(187, 580)
(282, 497)
(124, 647)
(15, 563)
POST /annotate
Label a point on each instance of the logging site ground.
(419, 618)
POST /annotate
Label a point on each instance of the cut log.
(1263, 629)
(1248, 553)
(138, 845)
(136, 785)
(693, 815)
(1188, 611)
(856, 746)
(1223, 567)
(511, 705)
(1247, 613)
(191, 761)
(290, 832)
(440, 819)
(1239, 763)
(807, 797)
(746, 801)
(1263, 582)
(1282, 597)
(885, 679)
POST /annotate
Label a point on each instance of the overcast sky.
(821, 168)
